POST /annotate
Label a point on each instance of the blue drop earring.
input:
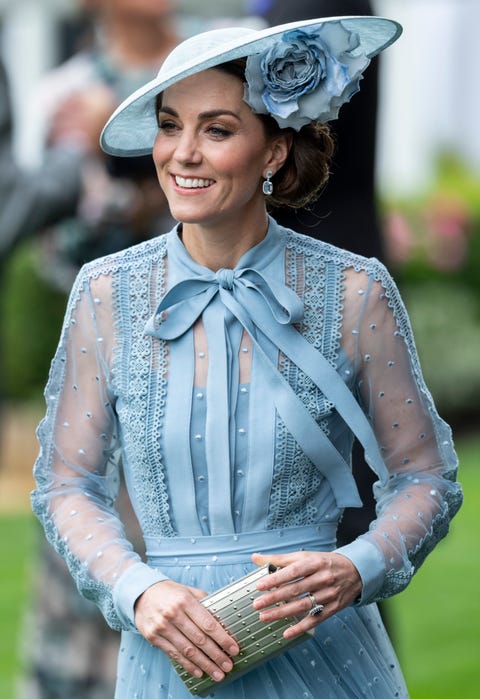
(267, 187)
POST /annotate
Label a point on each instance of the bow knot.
(225, 278)
(247, 294)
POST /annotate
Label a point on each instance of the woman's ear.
(279, 150)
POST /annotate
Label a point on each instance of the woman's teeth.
(192, 182)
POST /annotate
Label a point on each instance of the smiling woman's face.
(211, 152)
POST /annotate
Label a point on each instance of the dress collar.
(259, 257)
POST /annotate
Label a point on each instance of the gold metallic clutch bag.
(232, 606)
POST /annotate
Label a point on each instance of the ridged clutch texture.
(232, 606)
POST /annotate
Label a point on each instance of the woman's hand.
(331, 578)
(171, 618)
(81, 117)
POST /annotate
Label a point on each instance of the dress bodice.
(228, 397)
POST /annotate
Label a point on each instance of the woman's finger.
(327, 577)
(209, 636)
(192, 658)
(292, 566)
(297, 607)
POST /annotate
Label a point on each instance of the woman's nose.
(187, 150)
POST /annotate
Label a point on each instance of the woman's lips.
(193, 182)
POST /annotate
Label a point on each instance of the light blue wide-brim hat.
(132, 128)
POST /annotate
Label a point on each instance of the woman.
(228, 365)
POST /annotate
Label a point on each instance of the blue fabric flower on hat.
(305, 75)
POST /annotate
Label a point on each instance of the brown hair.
(307, 167)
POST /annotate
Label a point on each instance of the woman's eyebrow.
(216, 113)
(168, 110)
(203, 115)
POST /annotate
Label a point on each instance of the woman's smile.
(192, 183)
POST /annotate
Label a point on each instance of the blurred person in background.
(113, 202)
(119, 203)
(31, 200)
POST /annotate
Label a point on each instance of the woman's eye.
(219, 132)
(167, 125)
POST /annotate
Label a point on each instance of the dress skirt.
(350, 656)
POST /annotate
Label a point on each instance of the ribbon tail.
(310, 437)
(326, 378)
(317, 446)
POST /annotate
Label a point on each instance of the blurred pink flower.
(447, 223)
(399, 238)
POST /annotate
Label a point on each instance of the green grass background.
(436, 621)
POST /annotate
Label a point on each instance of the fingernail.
(227, 666)
(233, 650)
(217, 675)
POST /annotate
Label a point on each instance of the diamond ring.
(316, 608)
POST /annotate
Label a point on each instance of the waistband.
(224, 549)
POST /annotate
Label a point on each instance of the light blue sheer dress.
(228, 400)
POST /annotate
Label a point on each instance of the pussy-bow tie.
(264, 305)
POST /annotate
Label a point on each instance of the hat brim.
(132, 128)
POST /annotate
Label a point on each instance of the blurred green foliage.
(31, 311)
(18, 533)
(446, 321)
(434, 245)
(436, 620)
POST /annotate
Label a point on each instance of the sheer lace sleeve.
(416, 504)
(77, 471)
